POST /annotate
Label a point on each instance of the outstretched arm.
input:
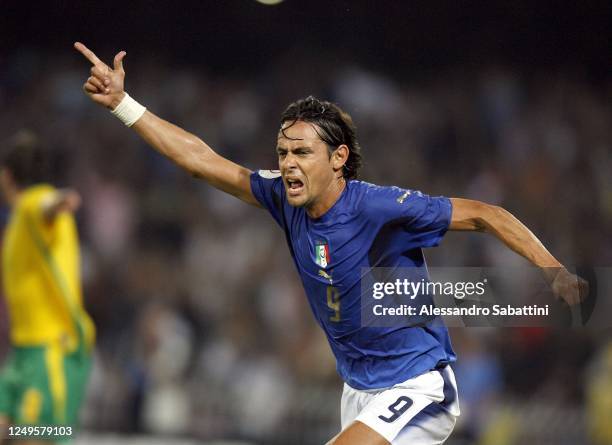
(478, 216)
(105, 87)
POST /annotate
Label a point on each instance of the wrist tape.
(128, 111)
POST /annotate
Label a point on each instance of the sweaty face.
(305, 165)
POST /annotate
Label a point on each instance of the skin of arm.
(195, 156)
(105, 87)
(470, 215)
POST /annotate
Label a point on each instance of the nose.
(288, 162)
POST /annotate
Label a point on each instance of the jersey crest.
(322, 253)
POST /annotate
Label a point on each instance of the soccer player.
(399, 385)
(44, 379)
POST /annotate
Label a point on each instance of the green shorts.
(44, 385)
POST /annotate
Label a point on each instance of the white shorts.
(419, 411)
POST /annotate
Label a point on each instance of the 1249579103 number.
(48, 431)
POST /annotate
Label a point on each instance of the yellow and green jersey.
(40, 262)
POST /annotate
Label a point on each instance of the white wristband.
(128, 111)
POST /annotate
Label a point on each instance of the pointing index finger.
(89, 54)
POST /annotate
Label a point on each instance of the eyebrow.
(279, 148)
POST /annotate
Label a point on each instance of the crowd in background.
(203, 327)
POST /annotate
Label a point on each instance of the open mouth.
(294, 186)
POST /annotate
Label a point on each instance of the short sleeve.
(267, 187)
(426, 218)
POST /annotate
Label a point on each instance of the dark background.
(414, 38)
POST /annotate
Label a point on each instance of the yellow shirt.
(41, 274)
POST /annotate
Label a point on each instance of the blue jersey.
(368, 226)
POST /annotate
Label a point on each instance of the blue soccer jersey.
(368, 226)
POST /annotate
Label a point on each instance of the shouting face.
(312, 176)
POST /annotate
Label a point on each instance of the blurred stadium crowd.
(203, 328)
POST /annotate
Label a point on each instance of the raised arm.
(105, 87)
(477, 216)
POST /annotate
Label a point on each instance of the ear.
(339, 157)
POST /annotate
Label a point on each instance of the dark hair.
(23, 157)
(333, 125)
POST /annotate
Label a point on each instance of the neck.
(329, 198)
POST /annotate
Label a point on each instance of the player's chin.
(297, 200)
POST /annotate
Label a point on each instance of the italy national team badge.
(322, 253)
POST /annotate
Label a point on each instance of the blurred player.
(399, 387)
(44, 379)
